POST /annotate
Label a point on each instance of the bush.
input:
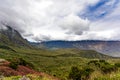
(102, 61)
(25, 63)
(108, 68)
(19, 61)
(104, 66)
(75, 73)
(22, 62)
(87, 72)
(117, 64)
(13, 65)
(94, 62)
(80, 74)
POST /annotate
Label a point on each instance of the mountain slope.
(107, 47)
(21, 70)
(54, 62)
(12, 37)
(82, 53)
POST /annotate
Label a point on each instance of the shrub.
(87, 72)
(22, 62)
(102, 61)
(13, 65)
(92, 61)
(104, 66)
(19, 61)
(108, 68)
(25, 63)
(80, 74)
(75, 73)
(117, 64)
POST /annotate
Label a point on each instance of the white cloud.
(54, 19)
(106, 28)
(73, 24)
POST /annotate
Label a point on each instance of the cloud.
(42, 38)
(100, 9)
(10, 14)
(73, 24)
(38, 20)
(2, 27)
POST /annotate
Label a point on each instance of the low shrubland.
(26, 77)
(52, 63)
(14, 63)
(85, 72)
(80, 74)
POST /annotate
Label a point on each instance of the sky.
(44, 20)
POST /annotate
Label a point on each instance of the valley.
(59, 39)
(57, 63)
(108, 47)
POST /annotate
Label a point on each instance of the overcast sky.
(41, 20)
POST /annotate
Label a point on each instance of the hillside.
(53, 63)
(6, 71)
(106, 47)
(12, 37)
(82, 53)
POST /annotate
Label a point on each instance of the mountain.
(81, 53)
(12, 37)
(107, 47)
(56, 63)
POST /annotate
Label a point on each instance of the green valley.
(20, 58)
(58, 63)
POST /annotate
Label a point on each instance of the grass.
(113, 76)
(56, 63)
(30, 76)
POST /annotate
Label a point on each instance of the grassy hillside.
(12, 37)
(28, 77)
(64, 63)
(57, 63)
(81, 53)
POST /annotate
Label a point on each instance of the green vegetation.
(65, 64)
(80, 74)
(27, 77)
(90, 54)
(6, 47)
(59, 63)
(104, 66)
(85, 72)
(19, 61)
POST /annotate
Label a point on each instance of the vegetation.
(19, 61)
(59, 63)
(104, 66)
(84, 73)
(80, 74)
(27, 77)
(65, 64)
(6, 47)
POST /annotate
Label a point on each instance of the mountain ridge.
(106, 47)
(12, 37)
